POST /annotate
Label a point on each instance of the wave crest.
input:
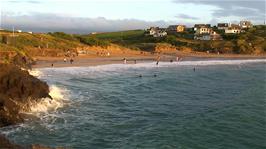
(46, 104)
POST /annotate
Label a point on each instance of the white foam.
(47, 104)
(35, 73)
(115, 68)
(220, 62)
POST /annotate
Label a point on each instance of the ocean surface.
(220, 105)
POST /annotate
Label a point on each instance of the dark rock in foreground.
(17, 89)
(6, 144)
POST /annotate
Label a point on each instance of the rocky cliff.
(17, 89)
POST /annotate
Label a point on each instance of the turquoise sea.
(220, 105)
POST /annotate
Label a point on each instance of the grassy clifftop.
(252, 41)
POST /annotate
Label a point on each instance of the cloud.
(185, 16)
(238, 8)
(43, 22)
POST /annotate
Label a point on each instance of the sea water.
(186, 105)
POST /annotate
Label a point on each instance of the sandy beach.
(87, 60)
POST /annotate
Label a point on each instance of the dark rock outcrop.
(17, 89)
(22, 61)
(6, 144)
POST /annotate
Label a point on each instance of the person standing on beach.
(158, 59)
(125, 61)
(71, 61)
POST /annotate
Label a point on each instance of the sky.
(84, 16)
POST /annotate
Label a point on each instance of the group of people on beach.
(158, 58)
(125, 61)
(71, 60)
(65, 60)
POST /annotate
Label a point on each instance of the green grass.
(126, 35)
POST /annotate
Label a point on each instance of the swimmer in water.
(154, 75)
(194, 69)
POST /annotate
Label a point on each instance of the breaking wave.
(35, 73)
(117, 68)
(44, 105)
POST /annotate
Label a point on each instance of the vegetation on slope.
(252, 41)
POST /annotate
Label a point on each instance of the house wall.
(180, 28)
(203, 30)
(232, 31)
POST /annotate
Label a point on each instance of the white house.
(233, 29)
(153, 30)
(157, 32)
(222, 26)
(160, 33)
(245, 24)
(198, 26)
(203, 30)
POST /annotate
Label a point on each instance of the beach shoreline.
(84, 61)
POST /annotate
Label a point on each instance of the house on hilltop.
(222, 26)
(245, 24)
(176, 28)
(210, 35)
(203, 29)
(233, 29)
(152, 30)
(157, 32)
(198, 26)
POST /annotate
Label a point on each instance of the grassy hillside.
(252, 41)
(35, 43)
